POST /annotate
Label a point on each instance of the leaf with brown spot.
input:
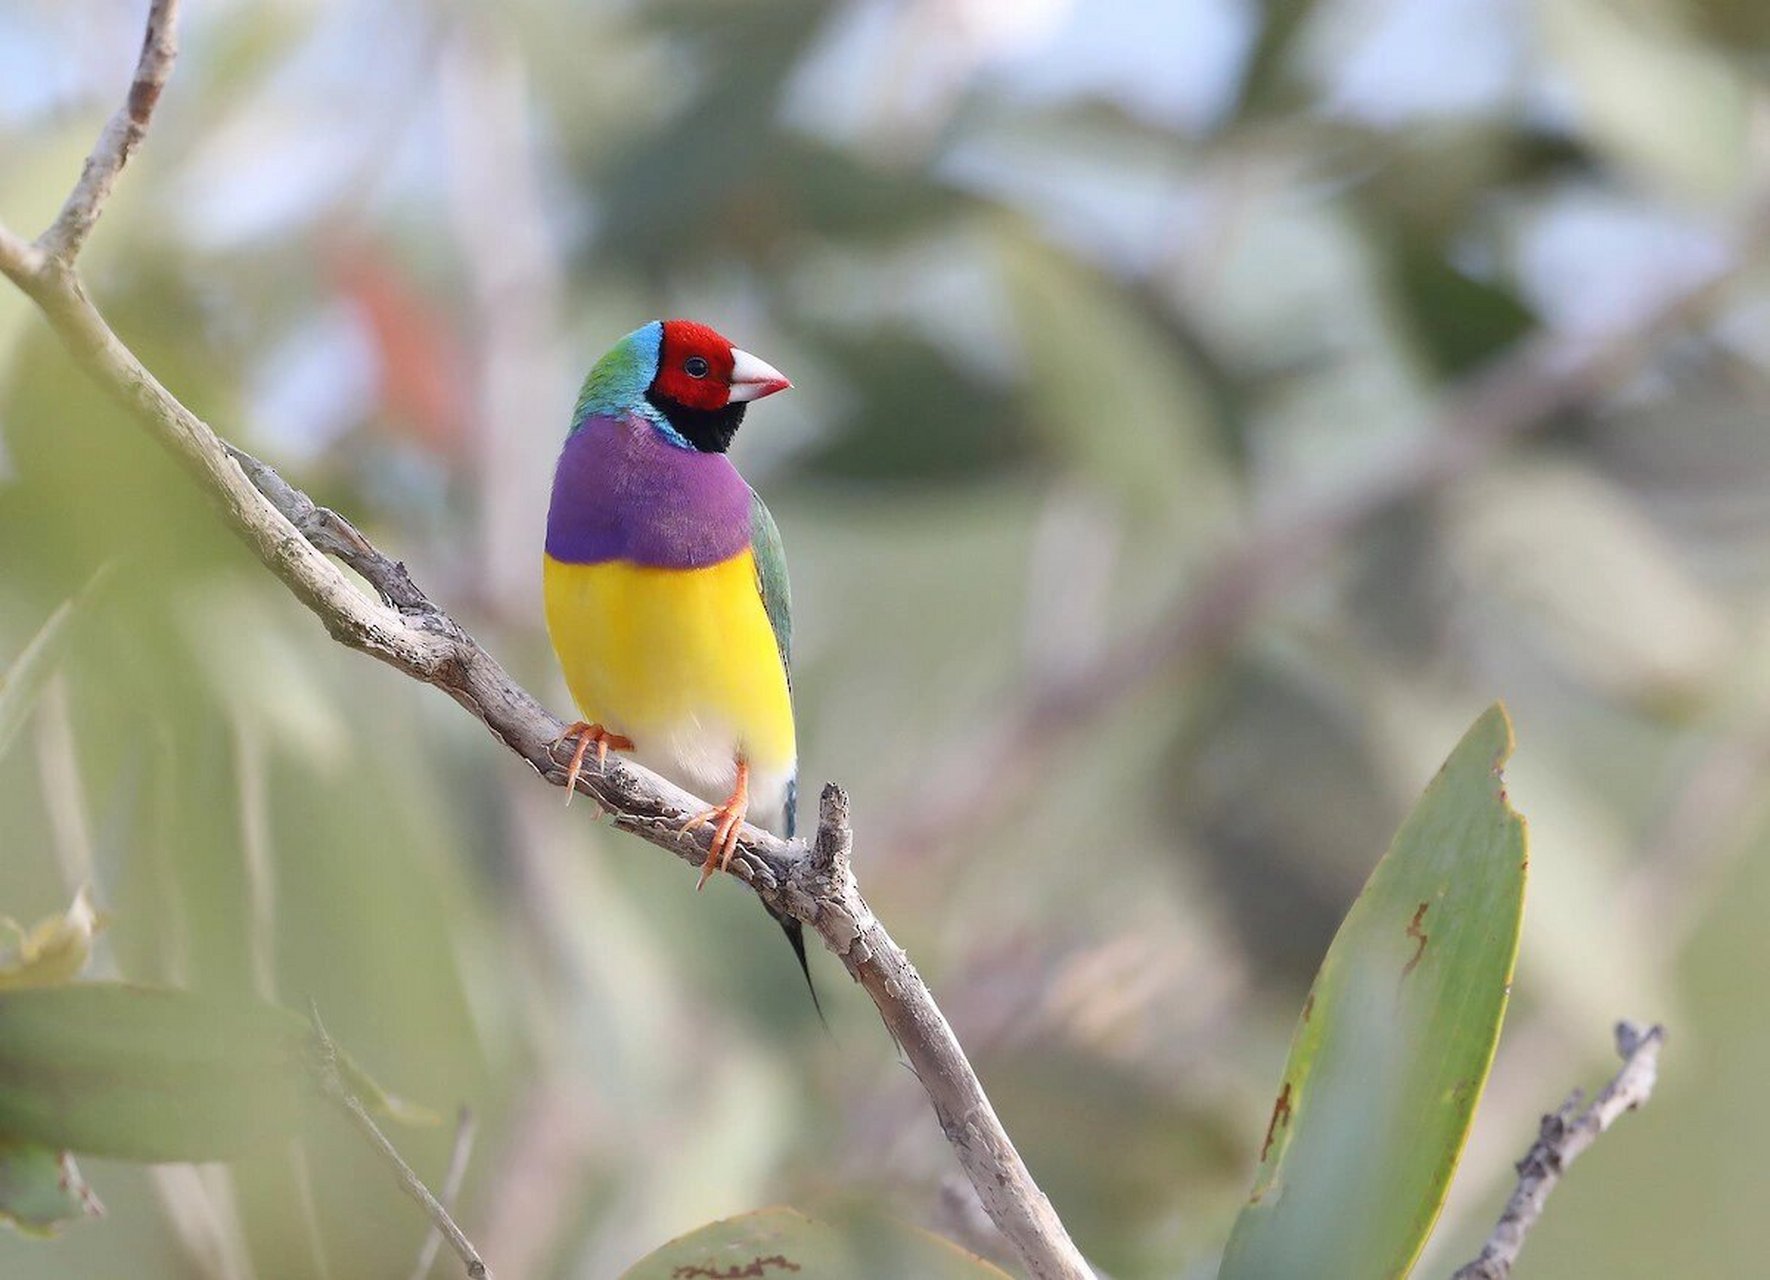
(1389, 1058)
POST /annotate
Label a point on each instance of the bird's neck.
(622, 492)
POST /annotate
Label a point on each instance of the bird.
(665, 585)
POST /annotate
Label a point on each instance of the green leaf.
(145, 1073)
(23, 681)
(1396, 1038)
(784, 1242)
(29, 672)
(40, 1189)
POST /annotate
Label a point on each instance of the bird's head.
(687, 380)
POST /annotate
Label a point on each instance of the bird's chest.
(620, 493)
(683, 661)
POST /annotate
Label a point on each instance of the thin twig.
(79, 213)
(1004, 1186)
(331, 1083)
(1564, 1136)
(466, 1129)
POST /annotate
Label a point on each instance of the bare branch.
(331, 1082)
(1564, 1137)
(79, 213)
(466, 1129)
(1004, 1186)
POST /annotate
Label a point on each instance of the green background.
(1074, 296)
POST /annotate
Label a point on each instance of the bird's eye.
(695, 367)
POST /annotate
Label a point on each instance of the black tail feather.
(796, 939)
(792, 928)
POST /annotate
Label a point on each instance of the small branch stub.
(1565, 1135)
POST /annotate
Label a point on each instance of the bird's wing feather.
(771, 578)
(777, 602)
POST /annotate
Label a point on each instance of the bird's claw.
(728, 820)
(588, 734)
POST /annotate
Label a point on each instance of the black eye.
(695, 367)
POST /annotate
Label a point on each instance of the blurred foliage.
(147, 1073)
(1074, 293)
(40, 1186)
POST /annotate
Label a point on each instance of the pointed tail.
(792, 928)
(796, 939)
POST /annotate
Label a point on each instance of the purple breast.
(623, 492)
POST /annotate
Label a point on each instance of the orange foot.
(586, 734)
(728, 820)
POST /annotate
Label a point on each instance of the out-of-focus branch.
(466, 1129)
(1564, 1136)
(79, 213)
(331, 1083)
(292, 536)
(990, 766)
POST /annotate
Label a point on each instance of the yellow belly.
(682, 661)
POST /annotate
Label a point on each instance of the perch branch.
(1564, 1136)
(293, 536)
(331, 1082)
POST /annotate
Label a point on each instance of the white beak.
(751, 378)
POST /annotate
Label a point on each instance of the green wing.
(771, 579)
(777, 602)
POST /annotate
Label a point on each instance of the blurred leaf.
(54, 950)
(1113, 396)
(920, 416)
(1564, 559)
(40, 1188)
(1460, 320)
(1396, 1038)
(145, 1073)
(786, 1242)
(1269, 85)
(1654, 100)
(1287, 862)
(25, 678)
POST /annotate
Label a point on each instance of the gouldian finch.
(666, 585)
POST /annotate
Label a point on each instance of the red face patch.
(694, 366)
